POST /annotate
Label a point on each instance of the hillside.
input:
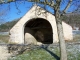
(71, 19)
(8, 25)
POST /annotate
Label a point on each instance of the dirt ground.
(4, 55)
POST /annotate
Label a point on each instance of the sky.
(12, 12)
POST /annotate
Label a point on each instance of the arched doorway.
(38, 29)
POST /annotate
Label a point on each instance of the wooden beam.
(40, 28)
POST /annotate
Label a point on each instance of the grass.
(42, 54)
(4, 38)
(38, 54)
(74, 55)
(76, 37)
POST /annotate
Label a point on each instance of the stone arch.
(38, 30)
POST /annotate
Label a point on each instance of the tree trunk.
(61, 42)
(63, 54)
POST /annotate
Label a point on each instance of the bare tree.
(3, 13)
(56, 5)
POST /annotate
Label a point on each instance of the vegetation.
(71, 19)
(56, 6)
(37, 54)
(8, 25)
(4, 38)
(76, 37)
(51, 53)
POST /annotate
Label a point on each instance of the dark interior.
(41, 29)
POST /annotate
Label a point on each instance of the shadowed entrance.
(38, 29)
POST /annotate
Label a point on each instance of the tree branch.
(4, 1)
(68, 5)
(17, 8)
(51, 3)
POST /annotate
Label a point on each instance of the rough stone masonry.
(38, 20)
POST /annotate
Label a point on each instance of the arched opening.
(39, 30)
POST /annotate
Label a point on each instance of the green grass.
(38, 54)
(72, 56)
(4, 38)
(73, 53)
(41, 54)
(76, 37)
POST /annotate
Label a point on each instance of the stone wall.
(67, 30)
(17, 32)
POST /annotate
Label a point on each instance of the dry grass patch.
(4, 38)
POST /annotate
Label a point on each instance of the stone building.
(38, 26)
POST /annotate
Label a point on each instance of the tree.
(3, 13)
(56, 5)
